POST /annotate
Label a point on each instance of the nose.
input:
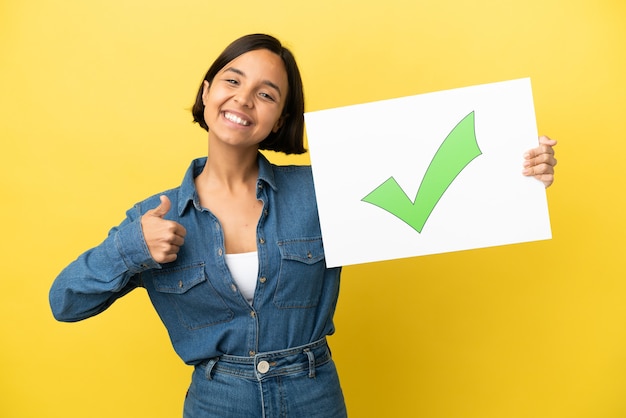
(244, 98)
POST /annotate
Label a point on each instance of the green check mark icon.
(455, 153)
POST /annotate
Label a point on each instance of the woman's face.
(245, 100)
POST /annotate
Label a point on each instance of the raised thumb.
(163, 207)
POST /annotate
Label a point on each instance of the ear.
(279, 123)
(205, 91)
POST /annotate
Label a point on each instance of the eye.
(267, 96)
(231, 81)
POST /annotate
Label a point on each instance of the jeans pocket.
(301, 274)
(188, 290)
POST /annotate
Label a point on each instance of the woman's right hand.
(163, 237)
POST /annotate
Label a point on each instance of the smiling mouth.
(236, 119)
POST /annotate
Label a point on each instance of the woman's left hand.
(539, 162)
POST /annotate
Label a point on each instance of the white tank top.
(244, 268)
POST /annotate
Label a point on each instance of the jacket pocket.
(187, 291)
(301, 274)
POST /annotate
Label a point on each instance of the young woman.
(232, 259)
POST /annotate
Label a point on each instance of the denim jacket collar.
(188, 192)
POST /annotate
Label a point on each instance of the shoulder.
(293, 172)
(180, 197)
(294, 178)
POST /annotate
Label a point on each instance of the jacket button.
(262, 240)
(263, 279)
(263, 367)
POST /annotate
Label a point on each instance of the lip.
(235, 118)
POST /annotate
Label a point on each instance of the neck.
(230, 168)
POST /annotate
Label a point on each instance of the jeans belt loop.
(209, 368)
(311, 358)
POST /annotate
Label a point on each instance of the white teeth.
(236, 119)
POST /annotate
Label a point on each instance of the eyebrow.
(266, 82)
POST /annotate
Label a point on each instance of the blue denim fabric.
(195, 296)
(299, 382)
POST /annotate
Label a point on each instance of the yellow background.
(93, 104)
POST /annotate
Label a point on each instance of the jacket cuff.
(133, 249)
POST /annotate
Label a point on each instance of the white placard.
(427, 174)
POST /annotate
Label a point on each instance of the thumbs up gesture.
(164, 238)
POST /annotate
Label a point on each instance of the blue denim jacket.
(195, 296)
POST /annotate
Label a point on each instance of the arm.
(107, 272)
(101, 275)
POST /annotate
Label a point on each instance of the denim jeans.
(301, 382)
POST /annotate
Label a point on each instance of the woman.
(232, 259)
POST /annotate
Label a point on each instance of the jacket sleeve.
(101, 275)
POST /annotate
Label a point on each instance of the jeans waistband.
(271, 363)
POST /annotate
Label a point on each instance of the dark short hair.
(290, 137)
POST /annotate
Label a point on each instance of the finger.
(177, 241)
(540, 150)
(171, 250)
(546, 179)
(180, 230)
(537, 170)
(545, 147)
(174, 230)
(543, 173)
(544, 140)
(166, 251)
(547, 159)
(163, 207)
(168, 258)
